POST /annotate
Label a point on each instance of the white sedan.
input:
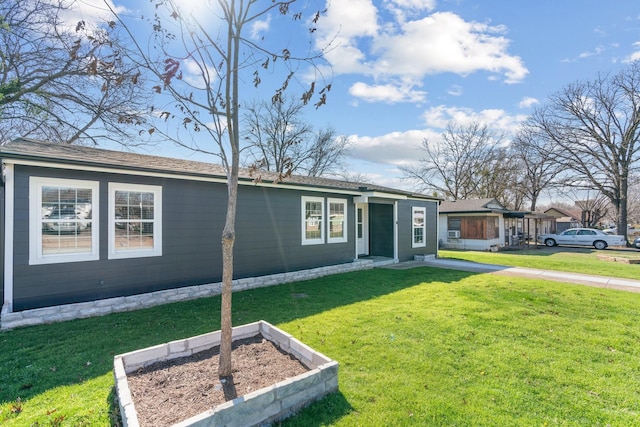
(583, 237)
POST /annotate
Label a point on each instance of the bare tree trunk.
(229, 231)
(622, 207)
(228, 240)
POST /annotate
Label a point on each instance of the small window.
(312, 220)
(135, 220)
(586, 233)
(63, 220)
(419, 227)
(337, 220)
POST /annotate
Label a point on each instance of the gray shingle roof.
(471, 205)
(28, 149)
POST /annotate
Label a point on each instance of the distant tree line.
(585, 139)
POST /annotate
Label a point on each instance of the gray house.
(83, 224)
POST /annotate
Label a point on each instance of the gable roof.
(562, 213)
(29, 150)
(472, 205)
(488, 205)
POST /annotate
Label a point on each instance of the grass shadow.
(41, 358)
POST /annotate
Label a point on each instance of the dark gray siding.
(405, 223)
(268, 240)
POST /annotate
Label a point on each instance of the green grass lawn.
(424, 346)
(578, 261)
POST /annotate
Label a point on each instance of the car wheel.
(550, 242)
(600, 245)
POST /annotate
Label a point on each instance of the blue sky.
(403, 68)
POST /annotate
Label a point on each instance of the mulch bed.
(172, 391)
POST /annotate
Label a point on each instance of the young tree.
(279, 140)
(62, 81)
(203, 67)
(596, 125)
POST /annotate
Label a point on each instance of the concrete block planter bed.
(259, 407)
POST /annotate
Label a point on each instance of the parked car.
(583, 237)
(636, 243)
(65, 221)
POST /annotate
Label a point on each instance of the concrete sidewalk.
(533, 273)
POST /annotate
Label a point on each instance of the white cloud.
(527, 102)
(405, 9)
(396, 148)
(635, 55)
(386, 93)
(497, 119)
(598, 50)
(94, 11)
(455, 90)
(411, 47)
(260, 27)
(443, 42)
(192, 73)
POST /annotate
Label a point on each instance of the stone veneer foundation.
(59, 313)
(261, 407)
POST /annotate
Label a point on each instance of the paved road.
(534, 273)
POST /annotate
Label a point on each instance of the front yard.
(424, 346)
(576, 260)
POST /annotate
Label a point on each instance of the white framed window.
(135, 220)
(419, 227)
(312, 220)
(63, 220)
(337, 220)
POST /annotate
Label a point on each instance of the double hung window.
(313, 220)
(418, 227)
(323, 217)
(337, 220)
(135, 222)
(63, 223)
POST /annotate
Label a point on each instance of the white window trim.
(157, 221)
(303, 214)
(36, 256)
(413, 227)
(344, 223)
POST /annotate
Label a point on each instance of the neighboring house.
(537, 223)
(84, 224)
(564, 219)
(480, 224)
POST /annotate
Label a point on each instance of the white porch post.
(395, 231)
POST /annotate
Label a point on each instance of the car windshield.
(64, 213)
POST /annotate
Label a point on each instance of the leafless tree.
(326, 153)
(470, 161)
(63, 81)
(208, 100)
(536, 159)
(590, 206)
(596, 125)
(280, 140)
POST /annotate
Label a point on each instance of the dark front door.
(381, 230)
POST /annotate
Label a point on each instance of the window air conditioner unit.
(454, 234)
